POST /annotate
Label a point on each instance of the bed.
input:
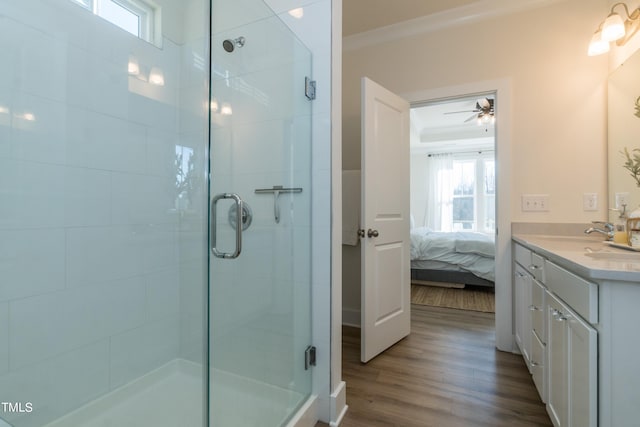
(453, 257)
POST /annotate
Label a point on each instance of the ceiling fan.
(484, 109)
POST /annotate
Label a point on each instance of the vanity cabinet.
(572, 367)
(554, 313)
(584, 351)
(539, 338)
(522, 284)
(527, 267)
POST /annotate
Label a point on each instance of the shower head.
(230, 45)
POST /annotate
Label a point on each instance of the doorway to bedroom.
(453, 202)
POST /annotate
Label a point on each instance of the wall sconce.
(614, 28)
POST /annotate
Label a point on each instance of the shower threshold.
(172, 396)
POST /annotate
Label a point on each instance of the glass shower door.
(260, 154)
(103, 212)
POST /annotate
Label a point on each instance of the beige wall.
(558, 117)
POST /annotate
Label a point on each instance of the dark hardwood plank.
(447, 373)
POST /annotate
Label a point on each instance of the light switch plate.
(590, 202)
(535, 202)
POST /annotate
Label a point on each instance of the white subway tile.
(39, 128)
(232, 14)
(58, 385)
(21, 251)
(163, 294)
(52, 324)
(32, 194)
(161, 152)
(4, 338)
(106, 142)
(143, 199)
(141, 350)
(87, 200)
(96, 255)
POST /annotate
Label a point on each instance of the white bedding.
(473, 252)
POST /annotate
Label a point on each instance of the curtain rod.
(462, 152)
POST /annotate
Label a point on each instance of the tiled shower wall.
(90, 254)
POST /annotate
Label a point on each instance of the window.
(138, 17)
(474, 194)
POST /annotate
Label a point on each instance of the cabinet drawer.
(537, 310)
(537, 267)
(522, 255)
(538, 364)
(577, 293)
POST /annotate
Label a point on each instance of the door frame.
(503, 288)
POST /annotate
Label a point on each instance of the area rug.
(474, 298)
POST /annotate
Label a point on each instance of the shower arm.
(276, 191)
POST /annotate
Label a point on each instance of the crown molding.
(474, 12)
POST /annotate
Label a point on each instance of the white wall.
(558, 96)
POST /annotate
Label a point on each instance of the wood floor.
(447, 373)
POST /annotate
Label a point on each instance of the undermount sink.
(615, 256)
(571, 239)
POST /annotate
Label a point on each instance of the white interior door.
(386, 274)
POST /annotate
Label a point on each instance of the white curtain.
(439, 209)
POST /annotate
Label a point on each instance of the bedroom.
(452, 163)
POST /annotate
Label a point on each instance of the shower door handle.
(214, 221)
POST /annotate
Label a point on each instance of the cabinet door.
(522, 284)
(582, 367)
(557, 369)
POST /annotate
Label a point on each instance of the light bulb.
(597, 46)
(613, 28)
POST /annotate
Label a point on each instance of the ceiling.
(365, 15)
(436, 129)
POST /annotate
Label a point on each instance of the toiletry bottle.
(620, 226)
(633, 228)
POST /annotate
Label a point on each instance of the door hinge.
(309, 357)
(310, 88)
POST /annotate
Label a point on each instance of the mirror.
(624, 132)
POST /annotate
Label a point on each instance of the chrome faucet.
(607, 230)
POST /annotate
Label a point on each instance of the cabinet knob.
(534, 308)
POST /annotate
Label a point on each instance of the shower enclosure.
(155, 214)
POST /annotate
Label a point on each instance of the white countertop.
(572, 252)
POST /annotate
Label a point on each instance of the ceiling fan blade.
(471, 118)
(456, 112)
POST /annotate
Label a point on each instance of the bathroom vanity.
(577, 314)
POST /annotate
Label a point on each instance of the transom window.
(138, 17)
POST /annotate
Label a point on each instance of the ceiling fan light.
(597, 46)
(613, 28)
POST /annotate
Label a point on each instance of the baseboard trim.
(351, 317)
(338, 404)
